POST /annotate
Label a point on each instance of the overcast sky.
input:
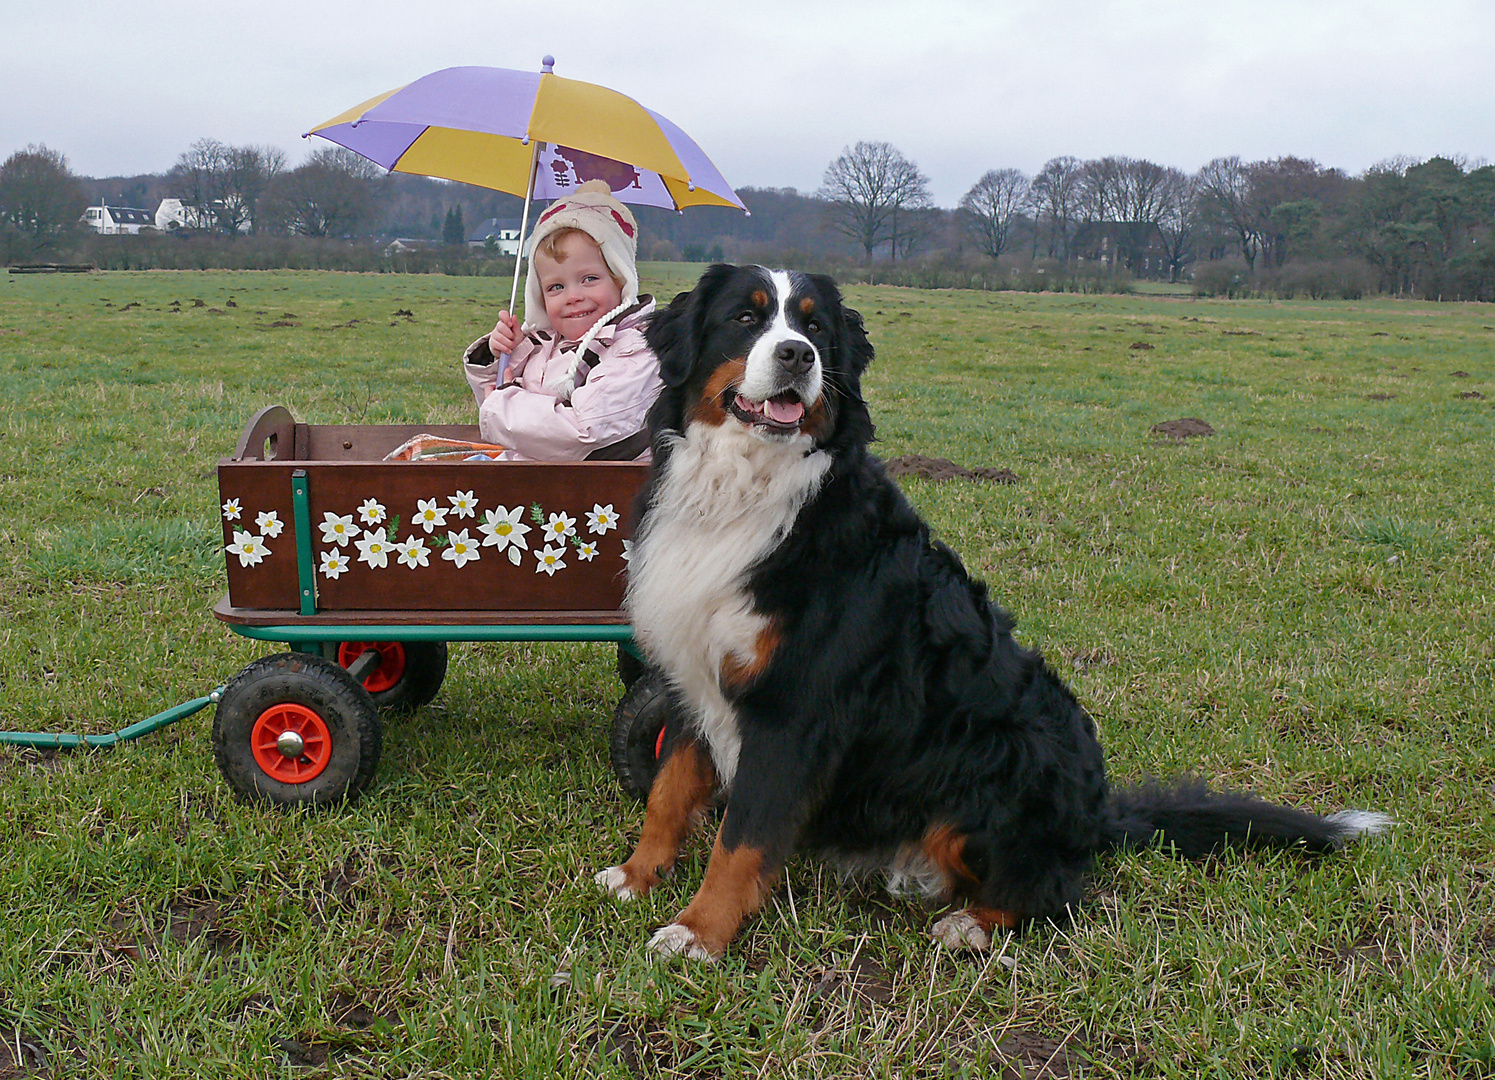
(774, 90)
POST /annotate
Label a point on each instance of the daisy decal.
(250, 549)
(461, 549)
(429, 516)
(463, 504)
(601, 518)
(374, 549)
(550, 560)
(371, 512)
(269, 523)
(587, 552)
(338, 530)
(413, 552)
(628, 551)
(504, 530)
(334, 562)
(559, 527)
(231, 510)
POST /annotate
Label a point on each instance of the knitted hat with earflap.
(592, 209)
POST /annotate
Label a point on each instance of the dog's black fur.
(889, 712)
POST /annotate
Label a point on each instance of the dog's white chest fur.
(726, 499)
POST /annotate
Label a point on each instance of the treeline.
(1285, 227)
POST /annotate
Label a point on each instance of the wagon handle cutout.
(269, 434)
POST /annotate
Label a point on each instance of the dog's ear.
(858, 347)
(674, 333)
(853, 335)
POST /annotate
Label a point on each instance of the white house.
(172, 214)
(114, 220)
(504, 232)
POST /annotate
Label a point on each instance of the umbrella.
(532, 134)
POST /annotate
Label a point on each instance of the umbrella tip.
(547, 65)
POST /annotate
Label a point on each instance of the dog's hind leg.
(679, 796)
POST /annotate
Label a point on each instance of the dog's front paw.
(614, 880)
(677, 940)
(961, 930)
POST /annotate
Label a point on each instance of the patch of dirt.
(351, 1013)
(304, 1055)
(1379, 397)
(406, 312)
(1141, 345)
(1471, 395)
(282, 322)
(1459, 375)
(1088, 658)
(1189, 427)
(20, 1057)
(864, 979)
(1038, 1057)
(643, 1047)
(937, 468)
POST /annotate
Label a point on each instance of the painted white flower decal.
(559, 527)
(334, 562)
(628, 551)
(503, 529)
(231, 510)
(550, 560)
(371, 512)
(463, 504)
(601, 518)
(269, 523)
(250, 549)
(374, 549)
(338, 530)
(413, 552)
(429, 516)
(461, 549)
(588, 551)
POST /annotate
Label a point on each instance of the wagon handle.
(273, 424)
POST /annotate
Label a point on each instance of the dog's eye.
(747, 318)
(814, 326)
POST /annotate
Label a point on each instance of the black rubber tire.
(630, 667)
(425, 670)
(639, 718)
(319, 685)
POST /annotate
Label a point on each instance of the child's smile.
(578, 289)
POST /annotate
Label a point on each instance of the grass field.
(1303, 603)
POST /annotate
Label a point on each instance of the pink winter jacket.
(605, 409)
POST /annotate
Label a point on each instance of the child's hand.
(505, 334)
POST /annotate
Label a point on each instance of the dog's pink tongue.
(788, 411)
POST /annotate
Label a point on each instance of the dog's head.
(773, 351)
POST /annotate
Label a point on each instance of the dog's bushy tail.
(1192, 820)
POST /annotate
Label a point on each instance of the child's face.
(578, 289)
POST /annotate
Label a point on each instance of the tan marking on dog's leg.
(972, 927)
(736, 673)
(680, 792)
(733, 889)
(945, 849)
(710, 409)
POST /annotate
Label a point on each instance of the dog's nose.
(795, 357)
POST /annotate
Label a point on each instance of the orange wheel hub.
(291, 743)
(391, 667)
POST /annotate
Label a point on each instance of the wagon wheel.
(639, 733)
(294, 730)
(409, 672)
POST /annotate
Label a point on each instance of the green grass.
(1301, 603)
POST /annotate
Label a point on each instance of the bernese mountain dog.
(838, 678)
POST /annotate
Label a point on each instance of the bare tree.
(331, 195)
(872, 188)
(1178, 222)
(223, 184)
(1056, 197)
(1226, 184)
(40, 202)
(993, 205)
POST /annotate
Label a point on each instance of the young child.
(579, 378)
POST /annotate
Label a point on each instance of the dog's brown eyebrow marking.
(807, 306)
(759, 298)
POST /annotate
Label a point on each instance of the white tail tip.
(1353, 824)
